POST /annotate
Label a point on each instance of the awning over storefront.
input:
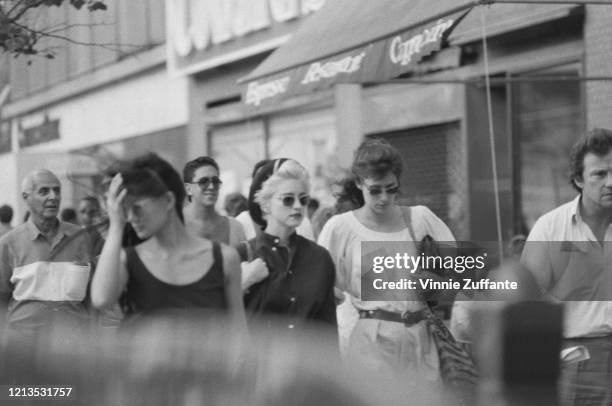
(354, 41)
(370, 41)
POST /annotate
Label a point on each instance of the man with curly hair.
(569, 253)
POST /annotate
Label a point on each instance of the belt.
(408, 318)
(581, 340)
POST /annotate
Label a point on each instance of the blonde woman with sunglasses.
(299, 284)
(387, 332)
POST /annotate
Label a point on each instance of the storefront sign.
(375, 62)
(331, 69)
(47, 131)
(404, 52)
(206, 33)
(256, 93)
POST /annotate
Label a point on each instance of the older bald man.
(44, 263)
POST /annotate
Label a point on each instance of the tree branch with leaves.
(19, 36)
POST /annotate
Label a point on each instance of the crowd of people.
(157, 245)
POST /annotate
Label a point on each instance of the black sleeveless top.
(145, 294)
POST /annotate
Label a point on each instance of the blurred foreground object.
(188, 361)
(517, 347)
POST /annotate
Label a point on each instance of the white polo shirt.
(39, 277)
(571, 266)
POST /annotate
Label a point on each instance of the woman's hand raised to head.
(114, 202)
(110, 277)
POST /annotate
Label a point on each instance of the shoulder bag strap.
(407, 215)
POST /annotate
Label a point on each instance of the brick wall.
(598, 62)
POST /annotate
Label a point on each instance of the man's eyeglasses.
(289, 200)
(377, 190)
(206, 181)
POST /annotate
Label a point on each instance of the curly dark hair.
(374, 158)
(597, 141)
(350, 192)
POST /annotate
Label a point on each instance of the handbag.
(457, 369)
(427, 247)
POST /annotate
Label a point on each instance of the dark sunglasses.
(206, 181)
(289, 201)
(377, 190)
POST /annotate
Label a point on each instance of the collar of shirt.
(63, 230)
(575, 210)
(583, 227)
(274, 241)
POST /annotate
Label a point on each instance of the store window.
(84, 165)
(237, 148)
(308, 137)
(548, 118)
(44, 132)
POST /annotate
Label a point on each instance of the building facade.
(91, 104)
(215, 46)
(177, 93)
(548, 66)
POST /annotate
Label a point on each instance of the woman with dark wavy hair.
(171, 269)
(391, 331)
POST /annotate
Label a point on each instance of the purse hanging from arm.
(457, 370)
(425, 247)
